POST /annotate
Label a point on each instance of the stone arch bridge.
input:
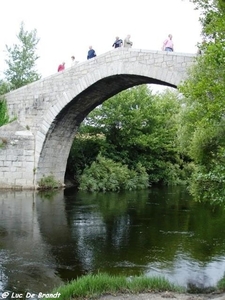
(48, 112)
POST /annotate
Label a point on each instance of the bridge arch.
(53, 108)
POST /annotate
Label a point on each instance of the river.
(47, 239)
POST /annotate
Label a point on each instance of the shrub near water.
(48, 182)
(221, 284)
(106, 175)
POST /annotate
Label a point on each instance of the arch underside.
(59, 139)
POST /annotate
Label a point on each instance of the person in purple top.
(168, 44)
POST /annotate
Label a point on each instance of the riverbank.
(107, 287)
(164, 296)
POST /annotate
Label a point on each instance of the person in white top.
(127, 42)
(72, 61)
(168, 44)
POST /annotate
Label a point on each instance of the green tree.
(22, 58)
(138, 128)
(5, 87)
(202, 135)
(83, 152)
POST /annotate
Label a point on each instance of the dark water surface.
(46, 240)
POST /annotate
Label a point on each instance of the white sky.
(68, 27)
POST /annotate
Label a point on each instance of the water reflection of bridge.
(26, 261)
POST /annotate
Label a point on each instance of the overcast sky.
(68, 27)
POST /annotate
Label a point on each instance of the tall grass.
(221, 284)
(92, 286)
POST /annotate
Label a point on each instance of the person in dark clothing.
(91, 53)
(118, 43)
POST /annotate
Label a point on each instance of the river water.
(47, 239)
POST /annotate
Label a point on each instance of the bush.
(48, 182)
(106, 175)
(209, 185)
(83, 152)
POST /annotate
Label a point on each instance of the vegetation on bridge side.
(48, 183)
(4, 117)
(203, 133)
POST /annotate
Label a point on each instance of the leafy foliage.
(21, 62)
(48, 183)
(4, 118)
(83, 152)
(106, 175)
(21, 59)
(209, 185)
(134, 127)
(5, 87)
(140, 127)
(202, 136)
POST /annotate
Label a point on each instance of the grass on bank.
(221, 284)
(93, 286)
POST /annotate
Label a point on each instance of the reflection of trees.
(146, 226)
(74, 233)
(209, 234)
(128, 231)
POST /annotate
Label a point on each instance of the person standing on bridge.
(91, 53)
(168, 44)
(73, 60)
(61, 67)
(127, 42)
(118, 43)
